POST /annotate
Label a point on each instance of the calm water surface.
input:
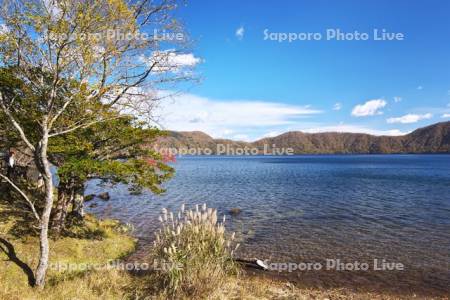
(303, 209)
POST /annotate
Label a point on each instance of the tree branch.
(15, 123)
(30, 204)
(60, 112)
(86, 125)
(142, 78)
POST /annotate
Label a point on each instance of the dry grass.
(197, 253)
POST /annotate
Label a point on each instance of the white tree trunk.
(44, 166)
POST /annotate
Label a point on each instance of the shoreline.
(313, 284)
(85, 249)
(283, 285)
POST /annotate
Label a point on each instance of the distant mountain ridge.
(431, 139)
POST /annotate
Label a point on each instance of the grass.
(97, 242)
(195, 251)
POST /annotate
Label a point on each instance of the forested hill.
(431, 139)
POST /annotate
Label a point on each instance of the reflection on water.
(310, 208)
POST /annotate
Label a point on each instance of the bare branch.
(135, 84)
(15, 123)
(86, 125)
(30, 204)
(60, 112)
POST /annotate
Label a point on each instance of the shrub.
(193, 251)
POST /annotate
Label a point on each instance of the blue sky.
(253, 87)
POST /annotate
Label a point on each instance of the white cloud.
(184, 59)
(397, 99)
(370, 108)
(227, 131)
(409, 118)
(445, 116)
(337, 106)
(353, 129)
(240, 32)
(171, 61)
(420, 87)
(219, 118)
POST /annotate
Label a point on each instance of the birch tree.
(77, 53)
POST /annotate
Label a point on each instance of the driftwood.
(252, 263)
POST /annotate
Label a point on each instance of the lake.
(346, 209)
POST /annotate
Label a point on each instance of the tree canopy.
(77, 76)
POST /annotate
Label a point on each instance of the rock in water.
(88, 198)
(235, 211)
(104, 196)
